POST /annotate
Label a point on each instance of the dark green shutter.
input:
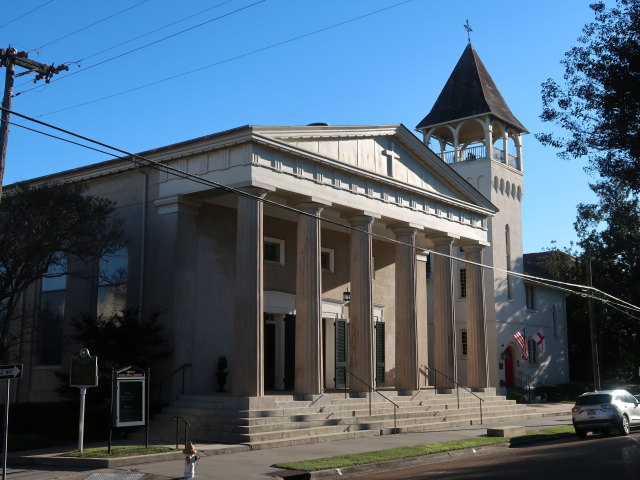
(379, 327)
(341, 352)
(289, 351)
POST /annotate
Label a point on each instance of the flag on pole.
(539, 339)
(521, 339)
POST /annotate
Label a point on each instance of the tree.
(120, 340)
(598, 105)
(39, 228)
(609, 235)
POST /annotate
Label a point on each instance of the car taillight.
(575, 409)
(607, 407)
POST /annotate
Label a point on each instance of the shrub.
(517, 396)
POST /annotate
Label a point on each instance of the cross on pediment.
(391, 155)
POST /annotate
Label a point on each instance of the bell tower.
(471, 128)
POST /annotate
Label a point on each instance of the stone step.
(299, 415)
(300, 436)
(190, 409)
(377, 420)
(332, 437)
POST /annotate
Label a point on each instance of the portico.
(364, 205)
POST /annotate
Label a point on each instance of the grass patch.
(400, 453)
(119, 451)
(389, 454)
(545, 432)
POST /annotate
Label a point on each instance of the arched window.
(51, 312)
(507, 245)
(112, 283)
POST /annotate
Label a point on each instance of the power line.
(26, 13)
(150, 32)
(88, 26)
(138, 159)
(128, 52)
(227, 60)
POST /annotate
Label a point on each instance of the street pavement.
(257, 464)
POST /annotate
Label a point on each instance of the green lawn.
(119, 451)
(342, 461)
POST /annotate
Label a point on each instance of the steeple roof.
(469, 92)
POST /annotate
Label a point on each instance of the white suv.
(604, 410)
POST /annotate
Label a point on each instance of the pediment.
(390, 152)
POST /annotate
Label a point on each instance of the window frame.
(281, 245)
(530, 297)
(464, 343)
(533, 351)
(331, 253)
(462, 283)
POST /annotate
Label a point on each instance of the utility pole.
(9, 58)
(593, 331)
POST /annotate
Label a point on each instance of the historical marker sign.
(10, 372)
(84, 372)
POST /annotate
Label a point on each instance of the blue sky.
(385, 68)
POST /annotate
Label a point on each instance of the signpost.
(8, 373)
(84, 374)
(130, 398)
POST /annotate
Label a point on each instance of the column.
(505, 145)
(444, 320)
(247, 369)
(477, 360)
(488, 138)
(518, 140)
(361, 360)
(406, 355)
(308, 370)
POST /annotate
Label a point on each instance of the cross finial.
(468, 28)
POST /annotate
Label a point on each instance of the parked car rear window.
(594, 399)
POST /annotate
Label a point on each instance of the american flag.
(521, 339)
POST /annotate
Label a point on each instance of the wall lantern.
(346, 296)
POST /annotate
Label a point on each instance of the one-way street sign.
(10, 372)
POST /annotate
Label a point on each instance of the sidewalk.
(256, 464)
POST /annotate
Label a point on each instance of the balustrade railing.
(479, 152)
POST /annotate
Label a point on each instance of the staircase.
(283, 420)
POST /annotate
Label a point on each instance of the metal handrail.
(182, 369)
(458, 386)
(528, 382)
(372, 388)
(186, 430)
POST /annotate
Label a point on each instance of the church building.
(319, 257)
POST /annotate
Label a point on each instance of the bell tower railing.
(479, 152)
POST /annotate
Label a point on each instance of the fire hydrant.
(190, 460)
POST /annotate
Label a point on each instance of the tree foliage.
(120, 340)
(598, 103)
(597, 107)
(40, 227)
(609, 235)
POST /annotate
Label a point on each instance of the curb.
(379, 467)
(371, 468)
(52, 460)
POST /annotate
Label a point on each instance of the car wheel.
(581, 433)
(624, 425)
